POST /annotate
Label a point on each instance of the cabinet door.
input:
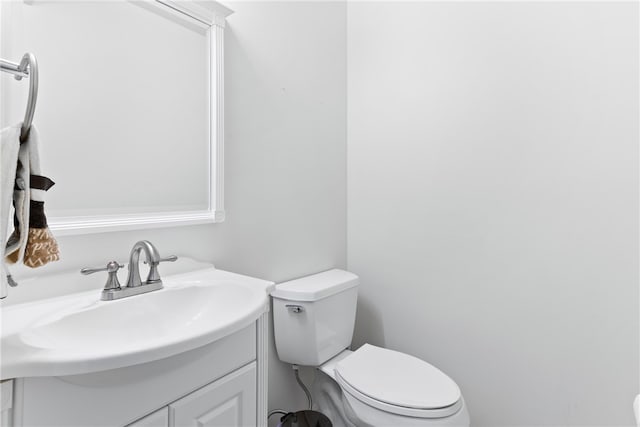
(160, 418)
(228, 402)
(6, 402)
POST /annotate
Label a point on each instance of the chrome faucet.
(134, 285)
(153, 259)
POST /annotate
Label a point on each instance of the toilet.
(314, 317)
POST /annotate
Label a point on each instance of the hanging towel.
(9, 147)
(31, 240)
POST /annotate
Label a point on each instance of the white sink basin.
(145, 319)
(79, 333)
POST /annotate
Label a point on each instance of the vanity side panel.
(121, 396)
(262, 344)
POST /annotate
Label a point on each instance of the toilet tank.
(314, 316)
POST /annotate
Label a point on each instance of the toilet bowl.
(372, 386)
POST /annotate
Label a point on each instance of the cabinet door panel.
(228, 402)
(160, 418)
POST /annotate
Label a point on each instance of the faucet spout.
(153, 258)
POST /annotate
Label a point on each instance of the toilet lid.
(397, 379)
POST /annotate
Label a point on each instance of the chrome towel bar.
(27, 68)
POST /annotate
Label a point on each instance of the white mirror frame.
(213, 20)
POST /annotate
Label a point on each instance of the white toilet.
(313, 321)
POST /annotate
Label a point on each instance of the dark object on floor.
(305, 418)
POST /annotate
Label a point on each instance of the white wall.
(285, 161)
(492, 190)
(493, 200)
(286, 149)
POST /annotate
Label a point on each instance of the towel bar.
(28, 67)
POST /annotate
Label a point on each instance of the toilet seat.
(397, 383)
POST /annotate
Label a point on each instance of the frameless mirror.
(129, 108)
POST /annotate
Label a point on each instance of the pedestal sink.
(78, 333)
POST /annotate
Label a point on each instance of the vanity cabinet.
(229, 402)
(219, 384)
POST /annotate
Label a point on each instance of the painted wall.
(285, 161)
(492, 190)
(493, 200)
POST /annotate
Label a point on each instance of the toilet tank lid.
(316, 286)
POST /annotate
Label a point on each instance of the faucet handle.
(154, 276)
(111, 268)
(170, 258)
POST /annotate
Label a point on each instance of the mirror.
(129, 109)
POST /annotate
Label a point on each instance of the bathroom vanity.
(193, 353)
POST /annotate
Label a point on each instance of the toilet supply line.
(296, 370)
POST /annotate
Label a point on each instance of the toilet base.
(327, 398)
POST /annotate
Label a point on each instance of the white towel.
(29, 158)
(31, 241)
(636, 409)
(9, 148)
